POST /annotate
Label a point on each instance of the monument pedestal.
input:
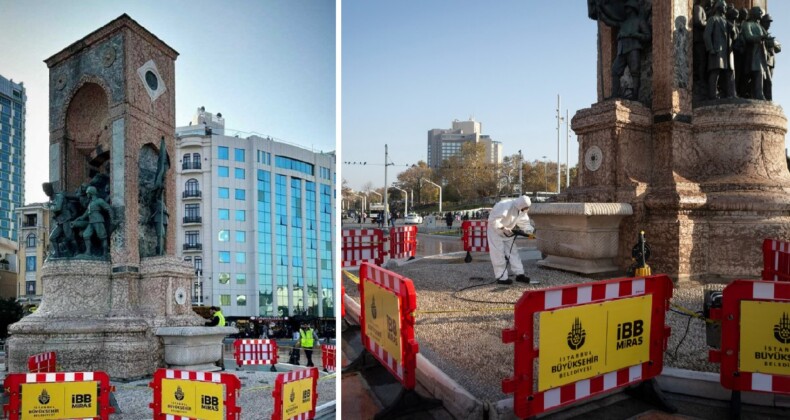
(93, 319)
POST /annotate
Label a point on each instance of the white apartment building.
(444, 143)
(255, 217)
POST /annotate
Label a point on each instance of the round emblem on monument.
(108, 57)
(181, 296)
(593, 158)
(60, 83)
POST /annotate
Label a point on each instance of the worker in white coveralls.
(507, 220)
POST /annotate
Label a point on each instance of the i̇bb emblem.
(44, 397)
(179, 394)
(373, 310)
(782, 329)
(292, 396)
(576, 336)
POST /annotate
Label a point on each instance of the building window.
(191, 213)
(223, 278)
(187, 161)
(223, 236)
(224, 214)
(191, 237)
(222, 153)
(294, 165)
(223, 171)
(30, 263)
(192, 188)
(224, 300)
(241, 300)
(241, 236)
(30, 287)
(264, 157)
(241, 278)
(238, 154)
(31, 240)
(241, 215)
(224, 256)
(199, 266)
(240, 194)
(239, 173)
(241, 257)
(224, 192)
(196, 161)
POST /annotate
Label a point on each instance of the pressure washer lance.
(640, 254)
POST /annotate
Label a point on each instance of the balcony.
(5, 266)
(187, 166)
(193, 219)
(193, 247)
(29, 224)
(192, 194)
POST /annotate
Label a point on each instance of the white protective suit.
(505, 216)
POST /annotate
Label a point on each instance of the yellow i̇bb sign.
(297, 397)
(584, 341)
(382, 318)
(61, 400)
(765, 337)
(195, 399)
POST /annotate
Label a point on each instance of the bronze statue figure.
(699, 21)
(62, 236)
(719, 36)
(159, 214)
(772, 46)
(633, 32)
(756, 60)
(94, 223)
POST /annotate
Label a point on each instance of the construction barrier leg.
(650, 392)
(408, 401)
(468, 257)
(362, 363)
(735, 405)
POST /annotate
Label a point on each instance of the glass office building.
(12, 155)
(256, 221)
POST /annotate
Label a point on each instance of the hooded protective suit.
(504, 217)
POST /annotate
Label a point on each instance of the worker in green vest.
(218, 320)
(307, 339)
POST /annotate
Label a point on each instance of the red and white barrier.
(475, 235)
(42, 362)
(288, 406)
(328, 357)
(362, 245)
(403, 242)
(776, 260)
(255, 352)
(221, 390)
(399, 332)
(637, 300)
(79, 392)
(755, 335)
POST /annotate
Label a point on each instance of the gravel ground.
(467, 345)
(255, 400)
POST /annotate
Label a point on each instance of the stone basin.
(193, 348)
(579, 237)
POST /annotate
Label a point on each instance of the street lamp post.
(381, 198)
(405, 200)
(440, 191)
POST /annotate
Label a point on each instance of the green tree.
(10, 312)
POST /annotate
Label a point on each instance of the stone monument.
(707, 179)
(112, 127)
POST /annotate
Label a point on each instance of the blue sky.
(267, 65)
(413, 65)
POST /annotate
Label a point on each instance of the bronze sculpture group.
(739, 49)
(733, 50)
(83, 220)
